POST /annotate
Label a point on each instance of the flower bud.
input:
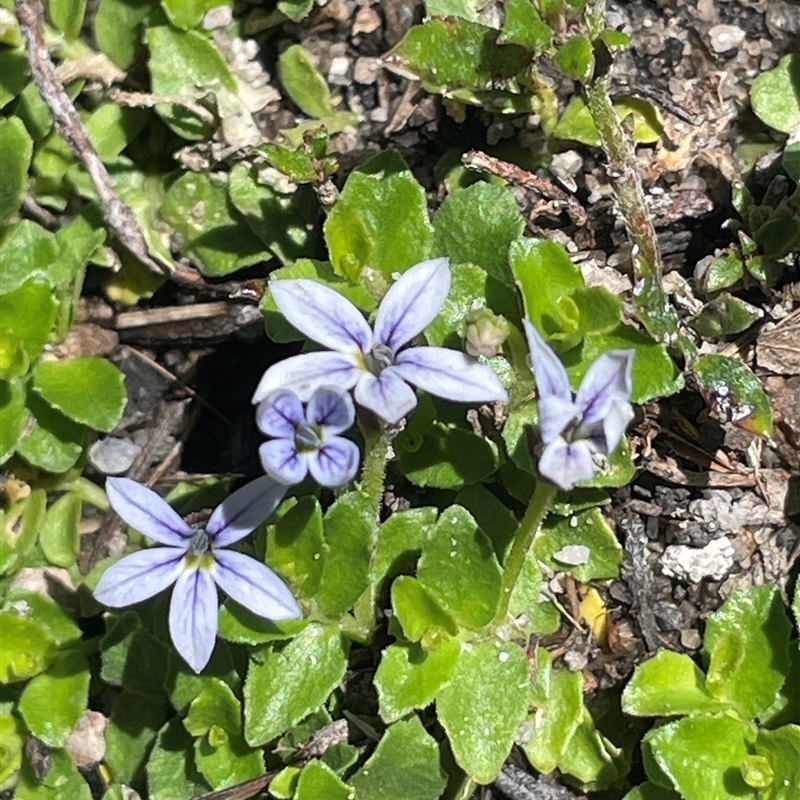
(485, 333)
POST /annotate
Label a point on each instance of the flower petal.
(449, 374)
(193, 614)
(331, 409)
(282, 462)
(254, 585)
(387, 394)
(564, 463)
(304, 374)
(608, 379)
(322, 314)
(279, 414)
(144, 510)
(335, 463)
(244, 510)
(139, 576)
(554, 415)
(412, 302)
(616, 420)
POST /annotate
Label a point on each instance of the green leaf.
(349, 532)
(734, 393)
(781, 749)
(459, 568)
(186, 64)
(380, 220)
(303, 82)
(280, 689)
(54, 618)
(654, 373)
(747, 643)
(285, 223)
(19, 531)
(16, 150)
(417, 611)
(449, 458)
(483, 705)
(466, 9)
(63, 780)
(171, 772)
(651, 791)
(775, 95)
(197, 207)
(238, 624)
(296, 10)
(576, 122)
(117, 28)
(576, 58)
(455, 53)
(560, 710)
(53, 442)
(790, 160)
(215, 707)
(27, 648)
(14, 73)
(187, 14)
(725, 315)
(12, 735)
(67, 16)
(599, 310)
(60, 537)
(27, 251)
(700, 755)
(88, 390)
(666, 685)
(295, 544)
(477, 225)
(225, 760)
(495, 519)
(410, 675)
(317, 780)
(27, 316)
(53, 702)
(524, 26)
(13, 416)
(112, 128)
(405, 766)
(134, 723)
(588, 529)
(400, 543)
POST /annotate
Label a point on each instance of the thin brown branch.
(118, 215)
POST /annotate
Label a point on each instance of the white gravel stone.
(573, 554)
(713, 561)
(725, 37)
(113, 456)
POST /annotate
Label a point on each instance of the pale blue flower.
(307, 440)
(375, 363)
(577, 429)
(195, 559)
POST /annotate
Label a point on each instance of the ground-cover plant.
(414, 620)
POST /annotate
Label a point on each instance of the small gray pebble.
(113, 456)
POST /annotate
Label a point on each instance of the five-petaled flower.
(307, 440)
(574, 430)
(194, 559)
(375, 363)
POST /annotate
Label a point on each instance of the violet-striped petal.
(330, 409)
(335, 463)
(193, 615)
(554, 415)
(607, 380)
(322, 314)
(140, 575)
(449, 374)
(551, 377)
(412, 302)
(565, 463)
(304, 374)
(281, 461)
(279, 413)
(387, 394)
(244, 510)
(144, 510)
(254, 586)
(616, 420)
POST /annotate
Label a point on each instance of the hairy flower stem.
(373, 475)
(622, 170)
(529, 526)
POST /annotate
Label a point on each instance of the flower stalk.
(377, 451)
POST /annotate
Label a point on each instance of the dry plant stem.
(529, 526)
(622, 168)
(119, 216)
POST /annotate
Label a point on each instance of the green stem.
(622, 168)
(373, 474)
(529, 526)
